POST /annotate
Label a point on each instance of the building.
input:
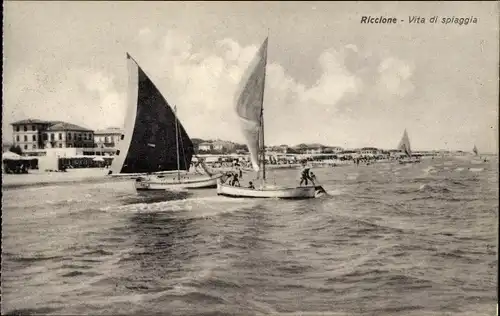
(334, 149)
(106, 141)
(220, 145)
(369, 151)
(6, 147)
(283, 148)
(205, 146)
(35, 136)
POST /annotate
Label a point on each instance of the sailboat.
(155, 148)
(249, 108)
(474, 150)
(405, 147)
(476, 154)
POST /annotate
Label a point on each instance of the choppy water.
(391, 240)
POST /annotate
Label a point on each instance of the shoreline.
(37, 178)
(99, 175)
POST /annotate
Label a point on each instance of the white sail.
(474, 150)
(249, 100)
(404, 144)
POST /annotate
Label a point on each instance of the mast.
(262, 116)
(177, 144)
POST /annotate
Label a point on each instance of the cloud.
(85, 97)
(202, 82)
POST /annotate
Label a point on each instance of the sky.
(330, 79)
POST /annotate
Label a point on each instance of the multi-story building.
(106, 141)
(34, 136)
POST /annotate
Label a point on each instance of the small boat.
(271, 192)
(478, 159)
(249, 108)
(158, 183)
(404, 146)
(155, 148)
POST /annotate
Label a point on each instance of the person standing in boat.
(312, 176)
(304, 174)
(235, 180)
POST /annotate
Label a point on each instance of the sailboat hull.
(155, 183)
(142, 175)
(306, 192)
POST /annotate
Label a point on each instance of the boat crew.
(312, 176)
(235, 180)
(304, 174)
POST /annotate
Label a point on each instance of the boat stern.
(319, 191)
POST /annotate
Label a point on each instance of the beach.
(35, 177)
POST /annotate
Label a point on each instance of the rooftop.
(54, 125)
(110, 130)
(63, 126)
(31, 121)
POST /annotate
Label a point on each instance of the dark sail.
(150, 145)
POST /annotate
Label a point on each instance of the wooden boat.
(405, 147)
(249, 108)
(270, 192)
(155, 144)
(184, 183)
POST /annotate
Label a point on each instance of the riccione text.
(378, 20)
(415, 19)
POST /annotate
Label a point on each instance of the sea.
(388, 239)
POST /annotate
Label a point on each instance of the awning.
(9, 155)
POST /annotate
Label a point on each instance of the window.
(106, 139)
(52, 136)
(44, 136)
(60, 145)
(69, 136)
(118, 152)
(25, 146)
(25, 138)
(17, 138)
(34, 138)
(34, 146)
(33, 128)
(25, 128)
(60, 136)
(79, 136)
(17, 128)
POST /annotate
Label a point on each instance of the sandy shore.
(36, 177)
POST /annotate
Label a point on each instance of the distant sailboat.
(155, 144)
(405, 147)
(249, 108)
(476, 153)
